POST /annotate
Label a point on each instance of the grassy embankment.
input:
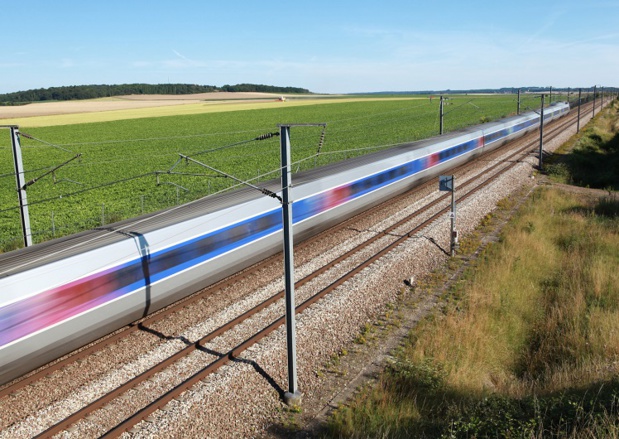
(528, 343)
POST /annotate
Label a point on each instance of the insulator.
(30, 183)
(271, 194)
(266, 136)
(321, 141)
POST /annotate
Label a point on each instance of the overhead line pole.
(541, 135)
(579, 104)
(550, 92)
(441, 116)
(293, 393)
(593, 114)
(293, 396)
(21, 185)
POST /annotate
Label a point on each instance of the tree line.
(75, 92)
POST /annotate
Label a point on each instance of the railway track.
(380, 243)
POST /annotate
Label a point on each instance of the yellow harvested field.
(142, 106)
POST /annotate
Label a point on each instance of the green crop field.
(114, 177)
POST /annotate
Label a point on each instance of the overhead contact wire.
(243, 142)
(28, 136)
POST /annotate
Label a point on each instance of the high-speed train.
(59, 295)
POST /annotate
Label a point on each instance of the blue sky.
(326, 46)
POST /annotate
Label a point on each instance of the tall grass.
(592, 158)
(530, 350)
